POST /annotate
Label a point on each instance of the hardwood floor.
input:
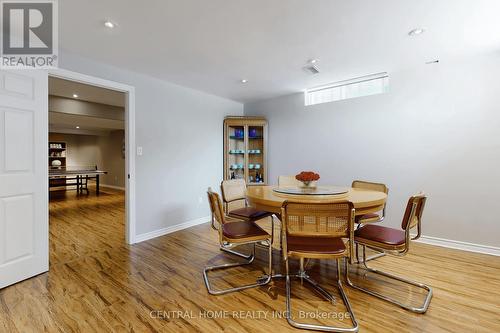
(81, 225)
(97, 283)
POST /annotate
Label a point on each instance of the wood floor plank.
(97, 283)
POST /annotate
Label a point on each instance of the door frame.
(129, 91)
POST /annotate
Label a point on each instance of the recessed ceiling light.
(109, 24)
(75, 96)
(416, 32)
(77, 127)
(313, 61)
(244, 81)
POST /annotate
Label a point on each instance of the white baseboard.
(168, 230)
(453, 244)
(113, 187)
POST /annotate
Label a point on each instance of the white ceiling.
(210, 45)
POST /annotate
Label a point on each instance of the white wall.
(180, 130)
(437, 130)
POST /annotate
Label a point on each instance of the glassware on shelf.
(238, 132)
(236, 151)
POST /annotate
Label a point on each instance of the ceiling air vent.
(311, 68)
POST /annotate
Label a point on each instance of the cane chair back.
(379, 187)
(216, 207)
(319, 220)
(212, 211)
(284, 181)
(233, 189)
(335, 220)
(413, 213)
(233, 193)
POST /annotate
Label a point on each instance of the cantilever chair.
(234, 191)
(394, 241)
(284, 181)
(370, 217)
(235, 233)
(318, 231)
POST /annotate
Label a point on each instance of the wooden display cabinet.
(245, 149)
(57, 151)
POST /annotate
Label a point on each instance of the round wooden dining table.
(365, 201)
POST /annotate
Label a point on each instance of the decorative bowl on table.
(308, 179)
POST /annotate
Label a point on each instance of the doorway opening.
(91, 165)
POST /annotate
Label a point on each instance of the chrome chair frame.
(263, 280)
(216, 208)
(303, 276)
(425, 305)
(328, 296)
(421, 309)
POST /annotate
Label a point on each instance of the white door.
(24, 250)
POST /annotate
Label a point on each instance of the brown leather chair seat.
(249, 213)
(367, 217)
(328, 245)
(243, 229)
(380, 234)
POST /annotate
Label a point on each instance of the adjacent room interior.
(86, 155)
(251, 166)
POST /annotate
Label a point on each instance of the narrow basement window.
(357, 87)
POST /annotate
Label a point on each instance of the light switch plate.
(139, 151)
